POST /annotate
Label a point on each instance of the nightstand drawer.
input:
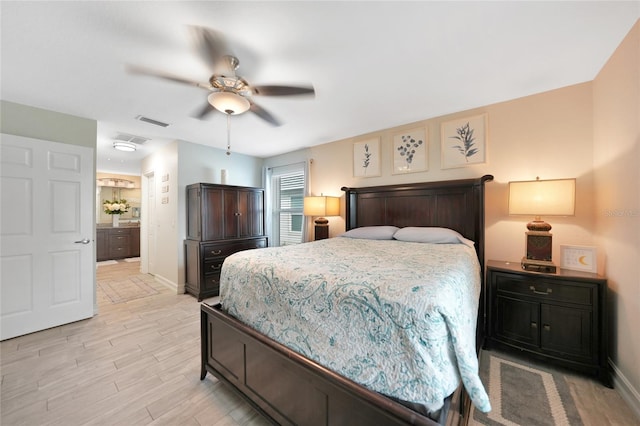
(559, 291)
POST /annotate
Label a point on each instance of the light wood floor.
(135, 363)
(138, 363)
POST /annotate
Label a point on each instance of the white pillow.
(372, 232)
(429, 234)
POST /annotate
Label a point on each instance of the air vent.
(124, 137)
(151, 121)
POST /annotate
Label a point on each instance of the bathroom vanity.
(117, 243)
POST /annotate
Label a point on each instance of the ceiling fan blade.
(134, 69)
(264, 114)
(204, 111)
(270, 90)
(211, 45)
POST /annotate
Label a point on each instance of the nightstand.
(558, 317)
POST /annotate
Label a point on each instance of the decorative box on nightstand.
(560, 317)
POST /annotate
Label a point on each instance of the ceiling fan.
(230, 93)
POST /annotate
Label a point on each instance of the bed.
(266, 343)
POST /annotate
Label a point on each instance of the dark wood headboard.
(455, 204)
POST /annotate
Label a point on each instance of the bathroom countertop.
(122, 225)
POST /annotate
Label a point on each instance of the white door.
(46, 226)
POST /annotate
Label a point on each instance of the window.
(286, 195)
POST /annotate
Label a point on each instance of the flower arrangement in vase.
(115, 208)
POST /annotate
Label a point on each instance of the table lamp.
(538, 198)
(320, 206)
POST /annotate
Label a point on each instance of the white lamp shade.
(321, 206)
(543, 197)
(229, 102)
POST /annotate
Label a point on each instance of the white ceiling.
(374, 65)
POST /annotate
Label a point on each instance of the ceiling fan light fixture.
(229, 102)
(124, 146)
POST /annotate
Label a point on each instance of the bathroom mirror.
(110, 193)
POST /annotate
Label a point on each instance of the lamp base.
(539, 246)
(538, 254)
(538, 266)
(321, 229)
(538, 225)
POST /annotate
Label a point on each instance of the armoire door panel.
(213, 223)
(230, 215)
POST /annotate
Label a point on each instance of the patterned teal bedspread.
(396, 317)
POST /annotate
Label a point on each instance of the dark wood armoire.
(221, 220)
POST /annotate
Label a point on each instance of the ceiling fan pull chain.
(228, 131)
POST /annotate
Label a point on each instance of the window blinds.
(287, 196)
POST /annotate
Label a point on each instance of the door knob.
(83, 241)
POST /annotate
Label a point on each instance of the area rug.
(119, 291)
(525, 394)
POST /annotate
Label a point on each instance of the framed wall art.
(464, 141)
(578, 258)
(366, 158)
(410, 151)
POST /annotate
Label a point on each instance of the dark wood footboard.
(289, 389)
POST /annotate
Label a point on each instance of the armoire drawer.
(224, 249)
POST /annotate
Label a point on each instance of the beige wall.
(617, 203)
(589, 131)
(547, 135)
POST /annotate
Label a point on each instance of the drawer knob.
(216, 267)
(216, 252)
(546, 327)
(544, 293)
(534, 325)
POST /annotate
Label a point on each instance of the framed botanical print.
(464, 141)
(410, 151)
(366, 158)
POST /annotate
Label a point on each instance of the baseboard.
(167, 283)
(626, 390)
